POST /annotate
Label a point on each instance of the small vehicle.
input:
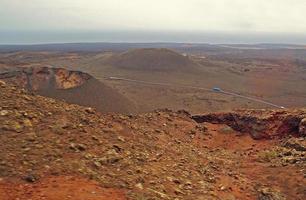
(216, 89)
(114, 78)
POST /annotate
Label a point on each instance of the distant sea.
(77, 36)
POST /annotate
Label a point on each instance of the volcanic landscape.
(152, 121)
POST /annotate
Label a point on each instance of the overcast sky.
(149, 16)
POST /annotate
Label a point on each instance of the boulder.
(302, 127)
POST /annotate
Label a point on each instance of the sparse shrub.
(141, 197)
(57, 129)
(267, 156)
(226, 130)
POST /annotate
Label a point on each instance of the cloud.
(159, 15)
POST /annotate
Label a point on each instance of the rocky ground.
(53, 150)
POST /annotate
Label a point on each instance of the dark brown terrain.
(164, 60)
(54, 150)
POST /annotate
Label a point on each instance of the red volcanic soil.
(54, 150)
(59, 188)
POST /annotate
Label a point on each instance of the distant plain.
(274, 73)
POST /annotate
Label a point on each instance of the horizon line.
(152, 42)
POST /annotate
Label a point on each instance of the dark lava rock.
(30, 178)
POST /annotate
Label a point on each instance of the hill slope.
(50, 150)
(71, 86)
(151, 59)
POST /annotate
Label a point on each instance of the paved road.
(198, 88)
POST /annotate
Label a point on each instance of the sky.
(47, 21)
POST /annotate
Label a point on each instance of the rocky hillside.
(151, 60)
(72, 86)
(54, 150)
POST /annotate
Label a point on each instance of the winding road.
(198, 88)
